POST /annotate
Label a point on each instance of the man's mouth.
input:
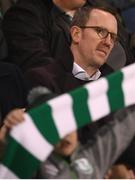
(103, 52)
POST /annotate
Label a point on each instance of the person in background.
(70, 159)
(44, 32)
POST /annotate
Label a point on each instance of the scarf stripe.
(17, 163)
(128, 84)
(115, 91)
(63, 115)
(43, 119)
(28, 135)
(97, 100)
(80, 106)
(7, 173)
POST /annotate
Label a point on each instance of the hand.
(13, 118)
(120, 171)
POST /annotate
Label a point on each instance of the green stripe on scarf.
(42, 116)
(19, 160)
(115, 92)
(80, 106)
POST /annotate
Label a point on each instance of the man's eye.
(99, 30)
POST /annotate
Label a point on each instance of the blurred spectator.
(70, 159)
(42, 27)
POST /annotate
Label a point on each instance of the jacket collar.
(62, 21)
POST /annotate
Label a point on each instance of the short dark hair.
(82, 15)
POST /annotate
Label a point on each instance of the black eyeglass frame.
(98, 29)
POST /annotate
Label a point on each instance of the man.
(94, 33)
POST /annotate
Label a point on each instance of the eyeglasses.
(103, 33)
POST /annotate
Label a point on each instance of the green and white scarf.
(31, 142)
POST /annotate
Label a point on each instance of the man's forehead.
(103, 18)
(99, 13)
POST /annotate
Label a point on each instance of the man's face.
(67, 145)
(92, 49)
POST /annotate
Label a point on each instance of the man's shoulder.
(50, 68)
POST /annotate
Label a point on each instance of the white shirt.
(70, 15)
(79, 73)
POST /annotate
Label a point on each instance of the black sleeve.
(27, 34)
(13, 91)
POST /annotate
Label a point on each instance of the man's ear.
(75, 32)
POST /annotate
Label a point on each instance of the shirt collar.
(79, 73)
(70, 15)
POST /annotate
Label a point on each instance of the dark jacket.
(12, 88)
(3, 45)
(57, 76)
(36, 32)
